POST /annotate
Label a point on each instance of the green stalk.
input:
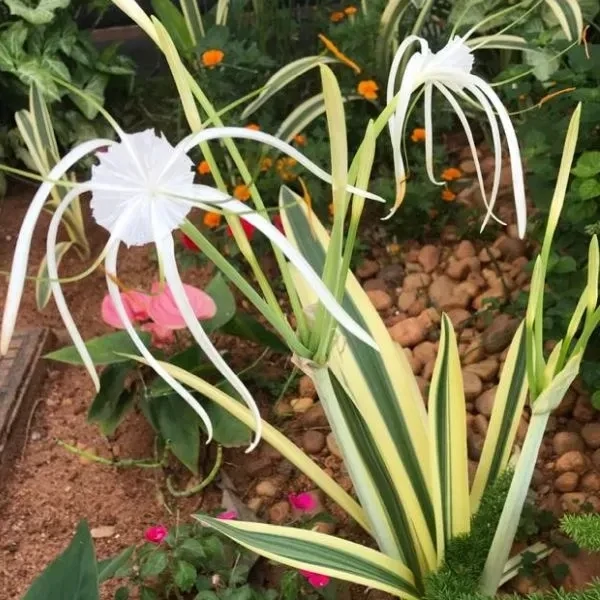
(363, 483)
(513, 506)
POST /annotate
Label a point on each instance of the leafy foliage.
(584, 529)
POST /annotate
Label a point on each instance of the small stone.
(306, 387)
(279, 512)
(590, 482)
(415, 364)
(596, 459)
(375, 284)
(473, 353)
(406, 299)
(486, 370)
(591, 435)
(255, 504)
(333, 447)
(480, 425)
(468, 167)
(416, 281)
(472, 385)
(510, 248)
(573, 501)
(314, 417)
(492, 294)
(392, 274)
(423, 387)
(583, 412)
(427, 371)
(571, 461)
(425, 352)
(367, 268)
(301, 405)
(474, 444)
(566, 482)
(381, 300)
(36, 436)
(487, 254)
(325, 527)
(104, 531)
(458, 316)
(313, 441)
(485, 402)
(441, 290)
(582, 569)
(460, 269)
(567, 404)
(565, 441)
(267, 488)
(417, 307)
(500, 333)
(464, 250)
(429, 257)
(409, 332)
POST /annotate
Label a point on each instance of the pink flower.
(156, 534)
(161, 336)
(164, 312)
(315, 579)
(136, 307)
(228, 515)
(305, 501)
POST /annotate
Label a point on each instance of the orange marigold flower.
(368, 89)
(351, 10)
(241, 192)
(285, 163)
(451, 173)
(337, 16)
(211, 58)
(266, 163)
(448, 195)
(212, 219)
(338, 54)
(253, 126)
(300, 139)
(418, 135)
(203, 168)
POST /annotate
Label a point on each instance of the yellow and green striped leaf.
(504, 421)
(388, 31)
(448, 442)
(42, 282)
(320, 553)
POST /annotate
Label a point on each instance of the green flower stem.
(204, 483)
(277, 321)
(125, 463)
(513, 506)
(363, 483)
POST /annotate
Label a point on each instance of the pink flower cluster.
(157, 312)
(156, 534)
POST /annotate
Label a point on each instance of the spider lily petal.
(449, 71)
(19, 266)
(113, 290)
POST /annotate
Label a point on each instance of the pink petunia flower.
(228, 515)
(305, 501)
(164, 312)
(161, 336)
(156, 534)
(136, 307)
(315, 579)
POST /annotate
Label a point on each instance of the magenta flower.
(156, 534)
(228, 515)
(305, 501)
(315, 579)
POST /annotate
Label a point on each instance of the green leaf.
(191, 550)
(154, 565)
(72, 575)
(177, 422)
(147, 593)
(596, 399)
(108, 567)
(587, 165)
(589, 188)
(113, 401)
(184, 575)
(33, 72)
(94, 88)
(248, 328)
(122, 594)
(102, 349)
(42, 282)
(219, 291)
(174, 23)
(13, 39)
(206, 595)
(227, 430)
(40, 15)
(565, 264)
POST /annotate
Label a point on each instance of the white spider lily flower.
(142, 190)
(449, 72)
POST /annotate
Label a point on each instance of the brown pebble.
(313, 441)
(584, 411)
(590, 433)
(572, 461)
(573, 501)
(306, 387)
(566, 482)
(267, 488)
(380, 300)
(590, 482)
(279, 512)
(333, 447)
(564, 441)
(367, 268)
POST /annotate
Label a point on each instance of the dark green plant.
(583, 529)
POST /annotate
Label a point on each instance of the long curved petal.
(166, 251)
(428, 120)
(292, 254)
(467, 128)
(215, 133)
(113, 290)
(19, 266)
(55, 285)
